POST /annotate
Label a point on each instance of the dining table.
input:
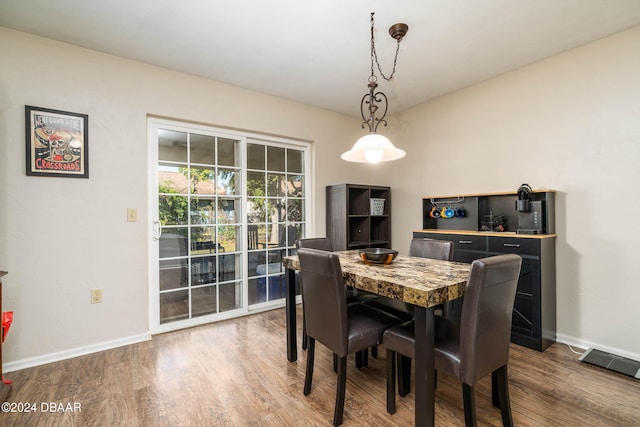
(425, 283)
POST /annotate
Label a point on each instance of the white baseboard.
(575, 342)
(75, 352)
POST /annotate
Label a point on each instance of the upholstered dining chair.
(476, 346)
(425, 248)
(430, 248)
(320, 243)
(353, 295)
(341, 327)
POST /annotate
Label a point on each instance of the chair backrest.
(252, 232)
(323, 290)
(434, 249)
(288, 237)
(485, 325)
(322, 243)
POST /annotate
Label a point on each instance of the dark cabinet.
(534, 312)
(358, 216)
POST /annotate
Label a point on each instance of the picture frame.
(57, 143)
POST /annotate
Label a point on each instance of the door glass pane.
(230, 296)
(203, 180)
(230, 268)
(275, 159)
(174, 306)
(173, 243)
(173, 274)
(276, 186)
(256, 184)
(172, 146)
(173, 210)
(255, 156)
(227, 237)
(228, 153)
(256, 258)
(203, 240)
(295, 185)
(172, 179)
(295, 210)
(227, 182)
(275, 210)
(229, 211)
(257, 293)
(276, 287)
(295, 160)
(203, 270)
(203, 300)
(203, 211)
(202, 149)
(256, 210)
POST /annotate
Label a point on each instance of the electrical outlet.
(132, 214)
(96, 296)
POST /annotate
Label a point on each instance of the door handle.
(511, 245)
(465, 242)
(157, 230)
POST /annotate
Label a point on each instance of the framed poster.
(57, 143)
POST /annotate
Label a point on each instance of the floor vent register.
(612, 362)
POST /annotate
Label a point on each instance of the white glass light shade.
(373, 148)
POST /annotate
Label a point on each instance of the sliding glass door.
(225, 211)
(275, 215)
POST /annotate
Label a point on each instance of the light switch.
(132, 214)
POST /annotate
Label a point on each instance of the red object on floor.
(6, 381)
(7, 318)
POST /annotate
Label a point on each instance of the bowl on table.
(378, 255)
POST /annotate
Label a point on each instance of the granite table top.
(419, 281)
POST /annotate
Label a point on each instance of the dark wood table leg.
(425, 371)
(290, 314)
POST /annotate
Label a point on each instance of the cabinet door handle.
(511, 245)
(465, 242)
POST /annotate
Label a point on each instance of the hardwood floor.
(235, 373)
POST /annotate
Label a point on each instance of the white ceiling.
(318, 52)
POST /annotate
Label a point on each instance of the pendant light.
(373, 147)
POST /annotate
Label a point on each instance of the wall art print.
(57, 143)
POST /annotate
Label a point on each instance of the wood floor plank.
(235, 373)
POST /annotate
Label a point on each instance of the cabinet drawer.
(468, 243)
(514, 245)
(434, 236)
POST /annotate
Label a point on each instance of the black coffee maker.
(530, 212)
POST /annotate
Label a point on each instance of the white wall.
(60, 237)
(569, 123)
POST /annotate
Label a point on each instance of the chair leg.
(308, 376)
(391, 381)
(340, 390)
(359, 359)
(404, 375)
(495, 399)
(503, 394)
(374, 351)
(362, 358)
(468, 396)
(304, 332)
